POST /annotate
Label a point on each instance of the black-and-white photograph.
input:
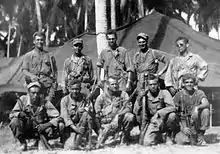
(109, 76)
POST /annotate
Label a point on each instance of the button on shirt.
(192, 63)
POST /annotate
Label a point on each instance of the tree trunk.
(48, 35)
(101, 27)
(101, 24)
(38, 13)
(20, 45)
(113, 14)
(140, 8)
(8, 43)
(86, 15)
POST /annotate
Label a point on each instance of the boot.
(200, 138)
(23, 144)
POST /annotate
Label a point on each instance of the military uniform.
(70, 112)
(116, 63)
(185, 105)
(108, 106)
(78, 68)
(147, 63)
(44, 112)
(160, 116)
(43, 65)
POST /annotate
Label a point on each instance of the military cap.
(142, 35)
(38, 33)
(77, 41)
(34, 84)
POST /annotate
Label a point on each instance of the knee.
(172, 117)
(15, 122)
(129, 117)
(61, 126)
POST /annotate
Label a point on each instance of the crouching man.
(157, 117)
(193, 109)
(113, 109)
(33, 117)
(77, 114)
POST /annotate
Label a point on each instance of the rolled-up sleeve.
(99, 103)
(52, 113)
(16, 110)
(202, 68)
(168, 76)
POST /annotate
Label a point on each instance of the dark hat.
(38, 33)
(33, 84)
(142, 35)
(77, 41)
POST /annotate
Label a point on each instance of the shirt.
(147, 62)
(191, 63)
(185, 102)
(40, 64)
(77, 67)
(45, 109)
(109, 105)
(115, 63)
(69, 107)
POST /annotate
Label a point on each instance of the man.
(159, 114)
(33, 116)
(114, 112)
(193, 109)
(146, 60)
(78, 67)
(186, 62)
(39, 65)
(116, 62)
(77, 114)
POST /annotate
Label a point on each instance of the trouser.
(158, 126)
(199, 125)
(122, 123)
(22, 130)
(70, 138)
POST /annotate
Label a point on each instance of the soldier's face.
(77, 48)
(182, 46)
(75, 90)
(142, 43)
(34, 93)
(189, 84)
(39, 42)
(111, 40)
(113, 85)
(153, 85)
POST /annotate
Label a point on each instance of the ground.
(9, 145)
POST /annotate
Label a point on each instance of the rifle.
(104, 134)
(144, 126)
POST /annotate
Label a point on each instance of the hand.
(22, 115)
(80, 110)
(194, 116)
(187, 131)
(34, 78)
(157, 75)
(42, 127)
(77, 129)
(172, 90)
(65, 91)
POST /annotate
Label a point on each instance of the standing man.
(116, 62)
(114, 112)
(146, 60)
(78, 67)
(38, 65)
(159, 114)
(186, 62)
(193, 109)
(75, 112)
(33, 116)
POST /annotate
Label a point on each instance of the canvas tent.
(163, 32)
